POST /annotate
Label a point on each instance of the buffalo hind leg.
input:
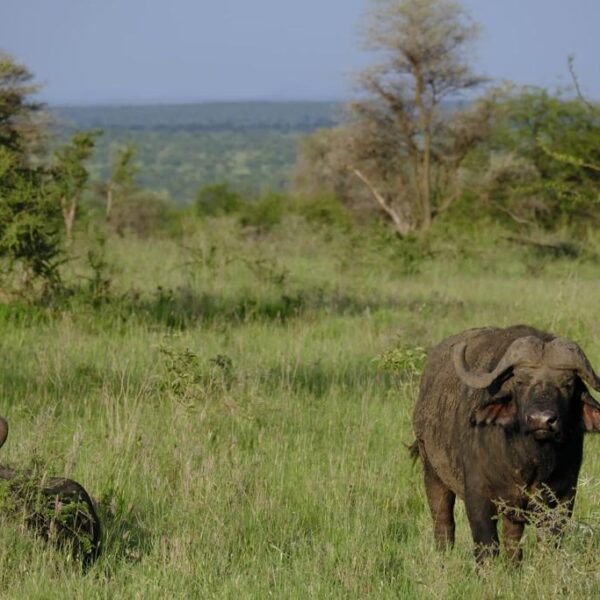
(512, 533)
(441, 502)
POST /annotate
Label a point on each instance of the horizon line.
(127, 103)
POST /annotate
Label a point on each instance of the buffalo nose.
(542, 419)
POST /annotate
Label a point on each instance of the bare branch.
(401, 226)
(575, 79)
(511, 214)
(447, 203)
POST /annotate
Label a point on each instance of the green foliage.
(98, 289)
(19, 130)
(216, 200)
(410, 253)
(324, 210)
(33, 201)
(30, 238)
(183, 372)
(121, 182)
(69, 169)
(405, 360)
(124, 170)
(537, 131)
(265, 212)
(70, 175)
(191, 154)
(30, 218)
(183, 148)
(566, 158)
(143, 213)
(189, 381)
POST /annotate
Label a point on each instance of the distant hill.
(182, 147)
(210, 116)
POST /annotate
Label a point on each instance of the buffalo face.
(544, 399)
(537, 387)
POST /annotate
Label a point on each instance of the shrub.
(325, 210)
(405, 360)
(523, 181)
(30, 220)
(143, 213)
(217, 199)
(265, 212)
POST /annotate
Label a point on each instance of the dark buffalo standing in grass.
(499, 421)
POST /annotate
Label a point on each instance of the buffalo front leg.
(481, 513)
(441, 503)
(553, 519)
(512, 533)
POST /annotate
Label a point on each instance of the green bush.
(265, 212)
(30, 220)
(217, 199)
(524, 181)
(143, 213)
(325, 210)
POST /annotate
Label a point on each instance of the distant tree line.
(406, 153)
(180, 148)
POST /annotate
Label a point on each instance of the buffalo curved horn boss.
(560, 353)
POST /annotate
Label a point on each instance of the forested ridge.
(206, 115)
(181, 147)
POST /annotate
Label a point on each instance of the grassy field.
(230, 402)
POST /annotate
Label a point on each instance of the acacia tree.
(36, 188)
(403, 144)
(30, 237)
(21, 119)
(70, 175)
(122, 177)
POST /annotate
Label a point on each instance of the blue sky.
(128, 51)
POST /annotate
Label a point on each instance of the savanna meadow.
(215, 319)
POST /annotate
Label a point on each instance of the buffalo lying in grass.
(58, 509)
(499, 421)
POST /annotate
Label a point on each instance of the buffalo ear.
(590, 413)
(496, 411)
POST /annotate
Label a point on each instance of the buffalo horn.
(523, 350)
(3, 431)
(565, 354)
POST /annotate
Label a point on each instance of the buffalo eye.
(567, 383)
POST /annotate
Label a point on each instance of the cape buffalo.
(499, 420)
(55, 507)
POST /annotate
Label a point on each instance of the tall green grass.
(225, 405)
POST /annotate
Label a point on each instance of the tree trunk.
(109, 200)
(426, 180)
(424, 176)
(402, 227)
(69, 209)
